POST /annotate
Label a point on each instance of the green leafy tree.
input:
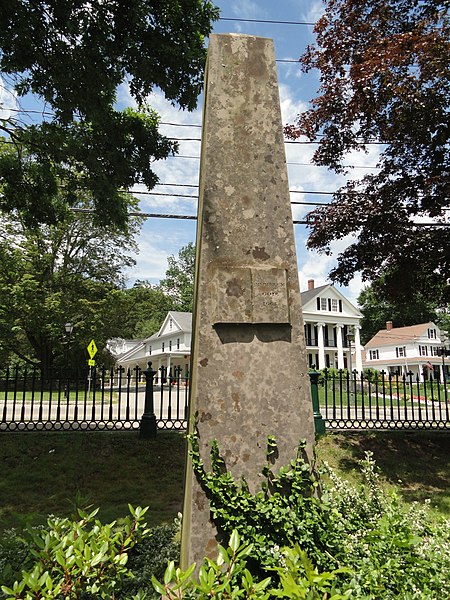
(74, 57)
(53, 274)
(179, 281)
(384, 78)
(141, 311)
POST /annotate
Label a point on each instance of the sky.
(160, 237)
(163, 237)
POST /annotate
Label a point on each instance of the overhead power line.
(194, 217)
(298, 142)
(288, 163)
(270, 21)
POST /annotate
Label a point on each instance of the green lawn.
(46, 472)
(49, 472)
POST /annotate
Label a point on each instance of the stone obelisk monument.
(249, 373)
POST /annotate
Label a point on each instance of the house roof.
(398, 335)
(184, 319)
(310, 294)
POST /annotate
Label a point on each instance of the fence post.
(319, 422)
(147, 428)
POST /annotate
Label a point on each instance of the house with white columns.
(332, 329)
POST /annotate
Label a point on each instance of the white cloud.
(247, 9)
(8, 101)
(315, 10)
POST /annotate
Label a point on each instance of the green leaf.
(234, 540)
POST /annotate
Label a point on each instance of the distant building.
(170, 347)
(329, 319)
(404, 349)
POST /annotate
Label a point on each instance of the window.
(400, 351)
(178, 343)
(162, 346)
(149, 349)
(434, 351)
(432, 334)
(374, 355)
(423, 350)
(170, 344)
(329, 304)
(170, 323)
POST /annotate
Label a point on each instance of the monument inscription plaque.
(250, 295)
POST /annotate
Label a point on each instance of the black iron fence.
(95, 399)
(149, 400)
(380, 400)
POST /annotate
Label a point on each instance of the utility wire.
(371, 143)
(189, 185)
(266, 21)
(182, 217)
(288, 163)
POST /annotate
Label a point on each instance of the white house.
(332, 326)
(170, 347)
(404, 349)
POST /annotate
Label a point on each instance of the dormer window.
(432, 334)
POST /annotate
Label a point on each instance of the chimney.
(389, 325)
(310, 284)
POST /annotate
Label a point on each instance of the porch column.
(340, 348)
(358, 358)
(158, 372)
(321, 345)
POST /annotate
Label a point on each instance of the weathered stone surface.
(249, 295)
(249, 374)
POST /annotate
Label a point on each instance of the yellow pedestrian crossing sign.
(92, 349)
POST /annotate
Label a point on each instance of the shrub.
(149, 557)
(226, 577)
(80, 558)
(371, 543)
(15, 555)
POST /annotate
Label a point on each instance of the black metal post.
(319, 422)
(147, 428)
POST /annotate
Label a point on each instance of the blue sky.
(162, 237)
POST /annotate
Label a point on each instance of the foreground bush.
(374, 545)
(229, 577)
(130, 555)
